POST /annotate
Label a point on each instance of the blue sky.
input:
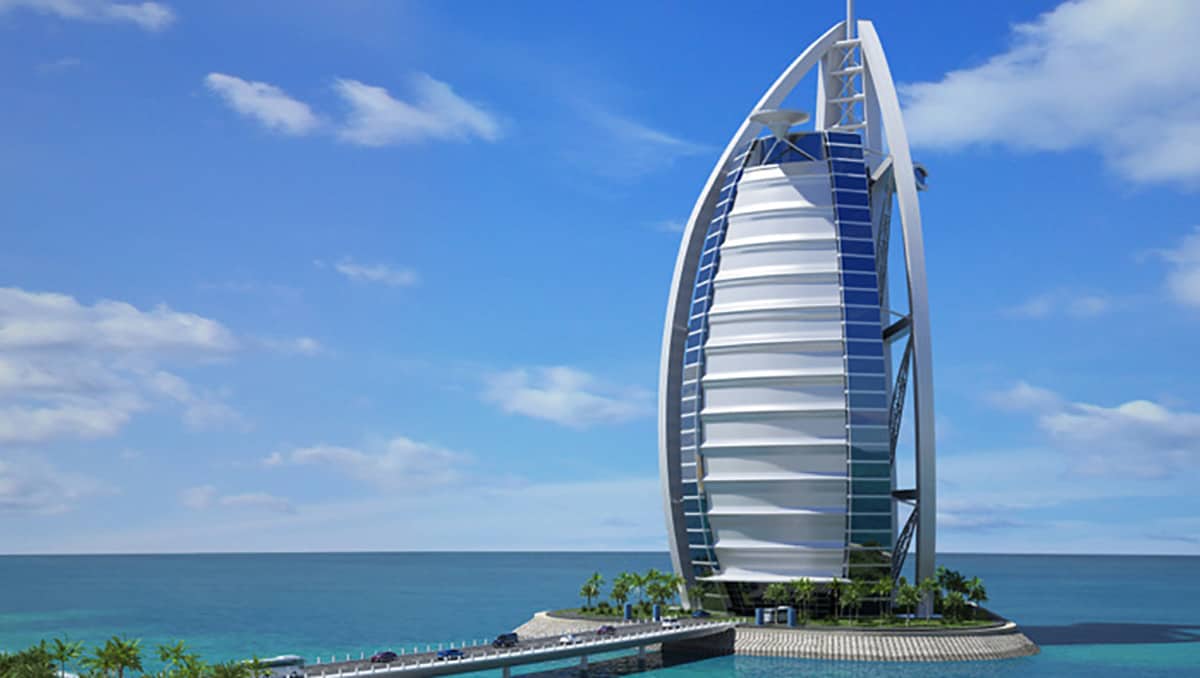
(376, 275)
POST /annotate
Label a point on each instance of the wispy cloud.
(150, 16)
(1138, 438)
(1078, 77)
(1064, 302)
(630, 148)
(265, 103)
(376, 118)
(73, 370)
(59, 65)
(29, 484)
(383, 274)
(566, 396)
(1183, 273)
(400, 462)
(206, 497)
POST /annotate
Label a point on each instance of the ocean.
(1097, 616)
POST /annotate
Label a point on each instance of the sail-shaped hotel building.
(784, 366)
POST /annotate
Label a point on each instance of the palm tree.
(33, 662)
(620, 589)
(883, 588)
(853, 596)
(835, 594)
(117, 654)
(591, 588)
(976, 593)
(64, 651)
(697, 592)
(777, 594)
(950, 580)
(802, 590)
(230, 669)
(908, 597)
(953, 604)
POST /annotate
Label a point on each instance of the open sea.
(1094, 616)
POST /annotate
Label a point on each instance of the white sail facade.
(779, 405)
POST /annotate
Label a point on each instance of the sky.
(392, 275)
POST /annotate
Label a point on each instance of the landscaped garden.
(956, 599)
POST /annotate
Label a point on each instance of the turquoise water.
(1095, 615)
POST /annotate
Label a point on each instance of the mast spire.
(849, 19)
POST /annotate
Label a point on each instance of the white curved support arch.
(879, 77)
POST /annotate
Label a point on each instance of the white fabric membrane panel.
(776, 310)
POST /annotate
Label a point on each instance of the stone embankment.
(1002, 641)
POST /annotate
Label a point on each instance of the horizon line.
(540, 551)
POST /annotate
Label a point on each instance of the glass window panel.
(861, 297)
(707, 258)
(869, 487)
(687, 455)
(870, 470)
(691, 373)
(704, 275)
(849, 167)
(844, 138)
(701, 556)
(693, 356)
(869, 453)
(687, 422)
(876, 400)
(864, 331)
(699, 306)
(689, 489)
(694, 522)
(883, 539)
(868, 418)
(691, 505)
(694, 339)
(864, 348)
(845, 152)
(689, 389)
(854, 183)
(853, 214)
(862, 280)
(872, 505)
(687, 473)
(695, 323)
(864, 247)
(870, 522)
(858, 263)
(869, 434)
(860, 382)
(852, 199)
(869, 315)
(865, 366)
(855, 230)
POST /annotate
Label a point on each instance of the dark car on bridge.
(452, 653)
(606, 630)
(700, 614)
(384, 657)
(506, 640)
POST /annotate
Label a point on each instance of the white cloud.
(375, 118)
(28, 484)
(400, 462)
(59, 65)
(1025, 396)
(266, 103)
(73, 370)
(669, 226)
(151, 16)
(306, 346)
(205, 497)
(565, 396)
(1138, 438)
(1064, 302)
(1088, 74)
(1183, 274)
(373, 273)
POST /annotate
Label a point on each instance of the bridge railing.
(649, 635)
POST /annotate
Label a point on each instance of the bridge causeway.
(528, 651)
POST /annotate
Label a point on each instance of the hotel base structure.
(784, 367)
